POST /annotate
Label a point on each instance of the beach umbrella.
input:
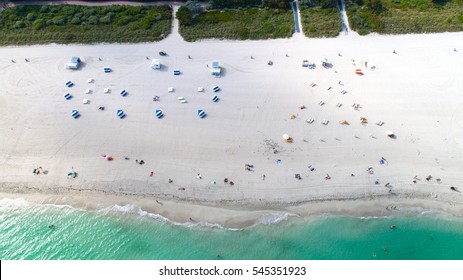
(285, 136)
(389, 133)
(159, 114)
(75, 114)
(201, 114)
(120, 114)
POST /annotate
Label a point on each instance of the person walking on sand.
(151, 174)
(263, 177)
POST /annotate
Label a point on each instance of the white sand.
(416, 92)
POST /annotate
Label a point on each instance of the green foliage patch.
(320, 22)
(240, 24)
(405, 16)
(31, 24)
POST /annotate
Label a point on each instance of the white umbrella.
(285, 136)
(389, 133)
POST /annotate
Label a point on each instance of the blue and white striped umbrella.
(201, 114)
(215, 98)
(123, 93)
(216, 89)
(159, 114)
(68, 96)
(120, 114)
(75, 114)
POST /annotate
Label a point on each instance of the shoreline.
(242, 214)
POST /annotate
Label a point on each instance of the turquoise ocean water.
(130, 233)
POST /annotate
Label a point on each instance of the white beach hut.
(156, 64)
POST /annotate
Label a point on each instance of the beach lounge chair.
(325, 121)
(69, 84)
(88, 91)
(171, 89)
(215, 98)
(216, 89)
(107, 70)
(123, 93)
(75, 114)
(339, 105)
(159, 114)
(310, 120)
(180, 98)
(86, 101)
(201, 114)
(120, 114)
(68, 96)
(183, 101)
(200, 89)
(321, 103)
(176, 72)
(380, 123)
(107, 90)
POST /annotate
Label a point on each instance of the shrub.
(31, 16)
(184, 16)
(105, 19)
(93, 20)
(39, 24)
(19, 24)
(44, 9)
(76, 20)
(59, 20)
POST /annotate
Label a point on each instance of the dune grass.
(405, 16)
(64, 24)
(240, 24)
(320, 22)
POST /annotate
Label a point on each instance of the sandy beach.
(415, 91)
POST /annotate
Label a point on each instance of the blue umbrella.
(201, 114)
(159, 114)
(120, 114)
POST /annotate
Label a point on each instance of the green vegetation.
(279, 4)
(321, 21)
(24, 25)
(405, 16)
(240, 24)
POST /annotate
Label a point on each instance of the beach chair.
(310, 120)
(200, 89)
(67, 96)
(171, 89)
(159, 114)
(380, 123)
(75, 114)
(86, 101)
(88, 91)
(124, 93)
(183, 101)
(69, 84)
(339, 105)
(325, 121)
(120, 114)
(216, 89)
(176, 72)
(201, 114)
(180, 98)
(215, 98)
(321, 103)
(107, 90)
(107, 70)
